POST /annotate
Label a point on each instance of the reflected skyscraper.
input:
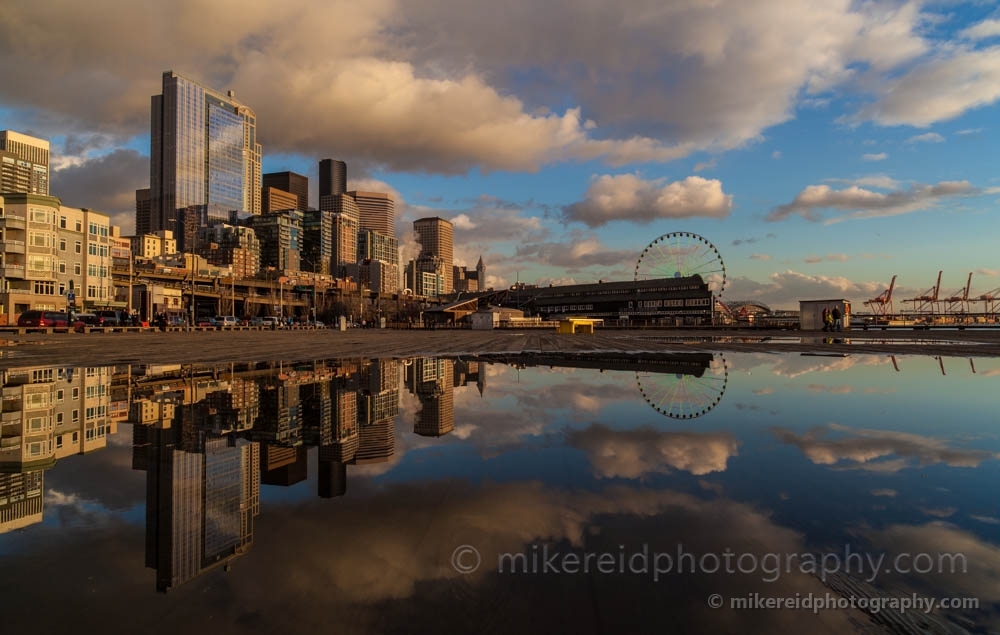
(433, 383)
(200, 504)
(205, 161)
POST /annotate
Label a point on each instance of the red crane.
(881, 305)
(925, 303)
(959, 298)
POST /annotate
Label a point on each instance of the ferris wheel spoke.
(684, 396)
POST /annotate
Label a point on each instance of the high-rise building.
(280, 236)
(274, 199)
(204, 156)
(143, 211)
(233, 246)
(376, 211)
(436, 237)
(292, 183)
(332, 177)
(24, 164)
(317, 241)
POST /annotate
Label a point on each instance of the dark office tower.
(283, 465)
(204, 154)
(290, 182)
(332, 177)
(332, 479)
(142, 212)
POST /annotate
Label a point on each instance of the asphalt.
(154, 347)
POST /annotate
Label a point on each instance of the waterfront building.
(205, 161)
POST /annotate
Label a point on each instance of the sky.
(822, 146)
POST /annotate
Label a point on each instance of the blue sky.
(822, 146)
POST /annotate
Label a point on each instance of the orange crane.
(991, 302)
(927, 301)
(959, 298)
(881, 305)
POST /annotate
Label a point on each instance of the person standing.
(838, 319)
(826, 318)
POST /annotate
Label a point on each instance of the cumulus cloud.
(927, 137)
(635, 453)
(784, 289)
(867, 203)
(628, 197)
(578, 252)
(877, 450)
(941, 89)
(106, 184)
(879, 156)
(431, 86)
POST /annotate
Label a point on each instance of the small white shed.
(811, 313)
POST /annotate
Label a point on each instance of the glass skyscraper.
(204, 158)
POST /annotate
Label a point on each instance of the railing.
(13, 246)
(14, 221)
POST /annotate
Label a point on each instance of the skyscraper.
(204, 155)
(143, 211)
(376, 211)
(332, 177)
(24, 164)
(436, 237)
(292, 183)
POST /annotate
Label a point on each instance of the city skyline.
(819, 166)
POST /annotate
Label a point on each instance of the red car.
(43, 319)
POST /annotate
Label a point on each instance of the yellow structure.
(577, 325)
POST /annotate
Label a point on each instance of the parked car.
(42, 319)
(257, 321)
(272, 322)
(205, 321)
(226, 320)
(112, 318)
(84, 320)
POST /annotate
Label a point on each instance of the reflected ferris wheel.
(685, 396)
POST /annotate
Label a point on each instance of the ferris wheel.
(685, 396)
(680, 255)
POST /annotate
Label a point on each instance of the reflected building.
(46, 414)
(432, 382)
(200, 503)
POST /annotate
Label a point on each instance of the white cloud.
(981, 31)
(879, 156)
(705, 165)
(927, 137)
(776, 154)
(628, 197)
(784, 289)
(941, 89)
(635, 453)
(761, 257)
(842, 446)
(868, 203)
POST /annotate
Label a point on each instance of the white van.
(226, 320)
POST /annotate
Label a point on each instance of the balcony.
(13, 221)
(11, 271)
(12, 246)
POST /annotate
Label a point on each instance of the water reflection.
(234, 462)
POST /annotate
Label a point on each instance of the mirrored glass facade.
(204, 156)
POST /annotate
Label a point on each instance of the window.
(79, 225)
(92, 228)
(59, 418)
(60, 394)
(76, 419)
(62, 244)
(59, 441)
(79, 247)
(62, 266)
(43, 287)
(76, 393)
(76, 435)
(62, 222)
(77, 268)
